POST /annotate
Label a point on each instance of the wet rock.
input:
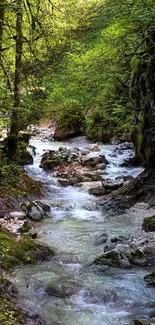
(33, 210)
(18, 214)
(99, 269)
(141, 322)
(150, 277)
(122, 255)
(63, 181)
(60, 290)
(125, 146)
(125, 264)
(149, 224)
(121, 239)
(106, 297)
(74, 180)
(101, 239)
(109, 246)
(54, 158)
(101, 166)
(84, 151)
(128, 162)
(25, 158)
(44, 205)
(127, 178)
(32, 233)
(115, 142)
(93, 176)
(92, 161)
(111, 185)
(32, 150)
(113, 258)
(149, 251)
(98, 191)
(74, 127)
(33, 129)
(95, 147)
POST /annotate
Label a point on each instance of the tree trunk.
(2, 11)
(13, 137)
(148, 94)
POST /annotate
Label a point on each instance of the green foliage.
(79, 57)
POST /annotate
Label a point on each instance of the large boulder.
(33, 130)
(60, 290)
(101, 238)
(93, 160)
(141, 321)
(114, 258)
(150, 279)
(123, 256)
(17, 215)
(72, 128)
(98, 191)
(54, 158)
(25, 158)
(149, 224)
(35, 210)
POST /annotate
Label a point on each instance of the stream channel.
(102, 296)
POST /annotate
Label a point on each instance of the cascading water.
(101, 295)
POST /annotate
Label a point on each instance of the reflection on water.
(102, 295)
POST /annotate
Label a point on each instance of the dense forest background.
(76, 60)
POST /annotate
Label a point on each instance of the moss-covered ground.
(15, 251)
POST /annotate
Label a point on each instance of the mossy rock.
(149, 224)
(141, 322)
(14, 252)
(51, 163)
(150, 277)
(10, 314)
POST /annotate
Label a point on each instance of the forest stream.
(100, 295)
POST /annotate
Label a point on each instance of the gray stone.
(32, 233)
(101, 239)
(63, 181)
(112, 258)
(97, 191)
(141, 321)
(125, 264)
(36, 213)
(18, 214)
(100, 166)
(93, 175)
(85, 151)
(33, 210)
(45, 206)
(60, 290)
(94, 160)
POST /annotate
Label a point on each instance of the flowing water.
(101, 296)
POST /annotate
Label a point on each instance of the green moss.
(137, 253)
(14, 252)
(9, 313)
(149, 224)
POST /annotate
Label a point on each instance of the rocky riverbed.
(97, 275)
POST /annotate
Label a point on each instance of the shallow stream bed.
(101, 296)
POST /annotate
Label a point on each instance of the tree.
(13, 136)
